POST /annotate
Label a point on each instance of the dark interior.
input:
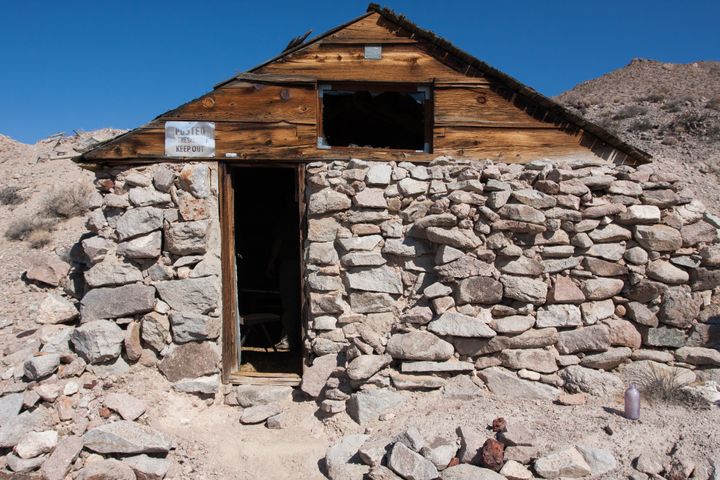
(267, 228)
(374, 119)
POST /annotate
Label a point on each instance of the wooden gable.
(272, 112)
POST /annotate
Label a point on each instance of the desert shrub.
(640, 125)
(39, 238)
(653, 98)
(11, 196)
(608, 123)
(659, 383)
(630, 111)
(676, 104)
(69, 201)
(23, 228)
(713, 104)
(699, 124)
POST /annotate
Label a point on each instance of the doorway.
(266, 244)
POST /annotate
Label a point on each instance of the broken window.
(375, 117)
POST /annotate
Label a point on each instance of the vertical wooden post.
(302, 228)
(229, 278)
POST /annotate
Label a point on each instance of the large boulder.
(458, 325)
(98, 341)
(678, 307)
(187, 238)
(125, 437)
(47, 269)
(382, 279)
(366, 406)
(418, 345)
(585, 339)
(506, 384)
(524, 289)
(410, 465)
(482, 290)
(112, 273)
(588, 380)
(123, 301)
(56, 309)
(190, 360)
(566, 463)
(327, 200)
(190, 295)
(138, 221)
(659, 238)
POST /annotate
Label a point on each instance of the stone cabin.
(376, 208)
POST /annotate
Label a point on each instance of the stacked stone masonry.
(552, 271)
(152, 273)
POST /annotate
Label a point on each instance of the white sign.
(189, 139)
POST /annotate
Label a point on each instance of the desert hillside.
(671, 111)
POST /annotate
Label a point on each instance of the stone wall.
(152, 274)
(552, 272)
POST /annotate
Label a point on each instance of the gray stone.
(635, 214)
(678, 307)
(10, 405)
(562, 315)
(537, 360)
(470, 472)
(459, 325)
(506, 384)
(195, 178)
(698, 232)
(565, 463)
(608, 251)
(520, 266)
(363, 367)
(418, 345)
(437, 289)
(96, 248)
(606, 360)
(191, 327)
(33, 444)
(602, 288)
(41, 366)
(586, 339)
(341, 453)
(61, 459)
(189, 360)
(253, 395)
(522, 213)
(594, 311)
(636, 255)
(14, 428)
(660, 238)
(56, 309)
(513, 470)
(327, 200)
(666, 272)
(381, 279)
(664, 337)
(322, 253)
(323, 229)
(106, 470)
(603, 268)
(411, 187)
(138, 221)
(147, 467)
(23, 465)
(363, 243)
(534, 198)
(378, 174)
(123, 301)
(524, 289)
(260, 413)
(187, 238)
(370, 198)
(363, 259)
(129, 407)
(146, 246)
(410, 465)
(317, 374)
(156, 331)
(98, 341)
(600, 461)
(405, 247)
(641, 314)
(191, 295)
(610, 233)
(145, 197)
(126, 438)
(163, 179)
(112, 273)
(416, 382)
(444, 367)
(591, 381)
(464, 267)
(512, 324)
(698, 356)
(456, 237)
(482, 290)
(366, 406)
(440, 451)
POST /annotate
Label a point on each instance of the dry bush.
(663, 384)
(69, 201)
(653, 98)
(24, 228)
(630, 111)
(11, 196)
(676, 104)
(713, 104)
(698, 124)
(39, 238)
(640, 125)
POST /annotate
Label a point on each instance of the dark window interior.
(374, 119)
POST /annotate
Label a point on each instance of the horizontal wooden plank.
(249, 102)
(370, 29)
(483, 105)
(399, 63)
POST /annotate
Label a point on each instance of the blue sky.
(87, 64)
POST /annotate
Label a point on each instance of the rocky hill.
(671, 111)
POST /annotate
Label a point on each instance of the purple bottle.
(632, 403)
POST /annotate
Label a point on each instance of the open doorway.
(267, 256)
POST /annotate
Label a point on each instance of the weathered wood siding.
(276, 118)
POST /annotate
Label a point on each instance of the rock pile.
(509, 452)
(532, 276)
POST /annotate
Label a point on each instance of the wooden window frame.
(380, 87)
